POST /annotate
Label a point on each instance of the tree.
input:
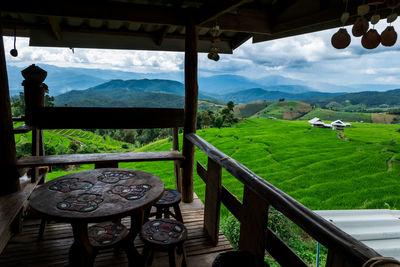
(333, 105)
(230, 105)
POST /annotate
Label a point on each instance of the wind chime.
(361, 28)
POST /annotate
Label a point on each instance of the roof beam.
(160, 35)
(118, 11)
(321, 20)
(249, 21)
(211, 10)
(55, 27)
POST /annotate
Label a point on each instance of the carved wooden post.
(191, 98)
(9, 178)
(34, 90)
(254, 223)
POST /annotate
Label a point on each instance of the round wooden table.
(97, 195)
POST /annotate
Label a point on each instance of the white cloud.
(307, 57)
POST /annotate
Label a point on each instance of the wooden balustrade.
(255, 236)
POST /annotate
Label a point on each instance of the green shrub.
(230, 226)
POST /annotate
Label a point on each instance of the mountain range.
(64, 79)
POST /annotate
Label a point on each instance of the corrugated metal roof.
(378, 229)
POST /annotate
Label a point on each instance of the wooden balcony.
(26, 249)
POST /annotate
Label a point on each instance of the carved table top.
(97, 195)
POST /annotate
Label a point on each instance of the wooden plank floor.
(25, 249)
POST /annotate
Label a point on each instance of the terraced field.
(287, 110)
(58, 141)
(312, 165)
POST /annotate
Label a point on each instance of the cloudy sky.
(307, 57)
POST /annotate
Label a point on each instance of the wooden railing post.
(9, 181)
(177, 163)
(191, 99)
(212, 203)
(254, 223)
(34, 90)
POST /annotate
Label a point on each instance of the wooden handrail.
(98, 158)
(105, 118)
(323, 231)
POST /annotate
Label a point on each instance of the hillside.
(249, 109)
(287, 110)
(132, 93)
(311, 164)
(260, 94)
(368, 98)
(332, 115)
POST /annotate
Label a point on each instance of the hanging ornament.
(361, 25)
(341, 39)
(14, 51)
(388, 36)
(213, 54)
(371, 39)
(392, 17)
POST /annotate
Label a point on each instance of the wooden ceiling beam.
(248, 21)
(10, 25)
(55, 27)
(322, 20)
(160, 35)
(102, 10)
(213, 9)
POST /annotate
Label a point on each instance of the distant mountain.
(222, 84)
(130, 93)
(259, 94)
(63, 79)
(368, 98)
(144, 85)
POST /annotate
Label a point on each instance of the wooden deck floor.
(25, 249)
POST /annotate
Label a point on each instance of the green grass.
(331, 115)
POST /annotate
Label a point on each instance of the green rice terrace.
(321, 168)
(318, 167)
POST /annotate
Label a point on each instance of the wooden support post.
(177, 163)
(34, 90)
(9, 181)
(254, 223)
(191, 99)
(213, 200)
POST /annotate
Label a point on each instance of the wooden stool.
(164, 235)
(110, 235)
(170, 198)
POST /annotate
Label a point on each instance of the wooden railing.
(258, 195)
